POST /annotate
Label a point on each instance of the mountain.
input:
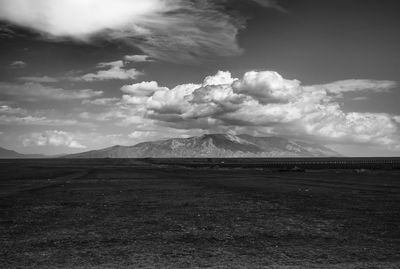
(10, 154)
(214, 145)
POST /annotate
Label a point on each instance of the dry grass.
(109, 214)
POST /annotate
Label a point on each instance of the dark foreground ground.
(135, 214)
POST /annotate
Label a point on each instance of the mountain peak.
(214, 145)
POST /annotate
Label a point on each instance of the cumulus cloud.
(52, 138)
(173, 30)
(378, 128)
(263, 102)
(115, 71)
(267, 87)
(32, 91)
(139, 92)
(172, 102)
(222, 77)
(18, 64)
(144, 88)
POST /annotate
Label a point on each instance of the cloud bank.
(263, 103)
(172, 30)
(52, 138)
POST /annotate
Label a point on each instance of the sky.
(78, 75)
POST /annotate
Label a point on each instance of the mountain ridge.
(11, 154)
(213, 145)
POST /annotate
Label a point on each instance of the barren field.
(139, 214)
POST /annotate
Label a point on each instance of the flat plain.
(121, 213)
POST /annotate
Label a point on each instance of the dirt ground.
(132, 214)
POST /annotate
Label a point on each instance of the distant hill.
(10, 154)
(214, 145)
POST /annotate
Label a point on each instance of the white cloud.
(144, 88)
(111, 71)
(137, 58)
(20, 116)
(267, 86)
(356, 85)
(173, 101)
(115, 71)
(264, 103)
(222, 77)
(76, 141)
(118, 63)
(52, 138)
(139, 92)
(143, 136)
(18, 64)
(101, 101)
(32, 91)
(38, 120)
(174, 30)
(78, 18)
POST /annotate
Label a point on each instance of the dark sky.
(322, 70)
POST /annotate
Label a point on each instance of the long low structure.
(288, 163)
(272, 163)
